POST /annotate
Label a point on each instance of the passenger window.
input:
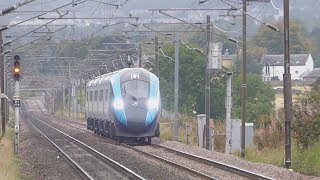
(101, 95)
(107, 93)
(87, 96)
(96, 95)
(91, 95)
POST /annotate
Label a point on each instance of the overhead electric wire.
(14, 7)
(55, 9)
(230, 39)
(43, 25)
(274, 5)
(31, 41)
(247, 14)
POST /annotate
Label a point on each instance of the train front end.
(136, 103)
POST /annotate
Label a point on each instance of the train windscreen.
(135, 89)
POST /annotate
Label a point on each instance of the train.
(124, 105)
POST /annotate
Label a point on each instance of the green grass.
(306, 162)
(9, 165)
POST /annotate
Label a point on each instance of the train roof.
(104, 78)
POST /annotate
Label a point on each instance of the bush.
(270, 133)
(306, 124)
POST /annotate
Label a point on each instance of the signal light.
(16, 67)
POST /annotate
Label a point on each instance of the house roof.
(278, 59)
(315, 73)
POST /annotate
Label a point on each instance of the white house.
(273, 66)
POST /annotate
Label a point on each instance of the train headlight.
(153, 103)
(118, 103)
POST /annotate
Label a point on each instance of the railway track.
(225, 167)
(86, 161)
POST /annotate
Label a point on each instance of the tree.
(273, 41)
(315, 44)
(260, 97)
(191, 79)
(200, 40)
(306, 124)
(191, 88)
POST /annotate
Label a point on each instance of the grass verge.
(9, 169)
(304, 161)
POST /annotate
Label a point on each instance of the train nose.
(136, 119)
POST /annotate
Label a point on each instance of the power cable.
(14, 7)
(274, 5)
(56, 9)
(268, 25)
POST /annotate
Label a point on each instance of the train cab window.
(91, 95)
(101, 95)
(107, 94)
(96, 95)
(135, 89)
(87, 96)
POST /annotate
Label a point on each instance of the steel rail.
(81, 172)
(117, 166)
(229, 168)
(186, 169)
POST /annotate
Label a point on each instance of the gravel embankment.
(39, 159)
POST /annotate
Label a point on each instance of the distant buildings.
(300, 65)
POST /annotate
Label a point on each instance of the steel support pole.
(76, 102)
(63, 97)
(69, 91)
(176, 88)
(288, 112)
(140, 55)
(244, 81)
(156, 56)
(2, 111)
(207, 88)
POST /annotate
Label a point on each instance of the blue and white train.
(124, 104)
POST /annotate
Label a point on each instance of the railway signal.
(16, 67)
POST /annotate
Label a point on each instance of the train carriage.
(124, 104)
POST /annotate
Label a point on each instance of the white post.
(16, 100)
(228, 115)
(201, 128)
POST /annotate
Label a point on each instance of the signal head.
(16, 57)
(16, 67)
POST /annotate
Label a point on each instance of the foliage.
(306, 162)
(316, 85)
(270, 131)
(9, 168)
(191, 88)
(306, 125)
(315, 44)
(253, 61)
(166, 129)
(191, 74)
(200, 40)
(260, 97)
(273, 41)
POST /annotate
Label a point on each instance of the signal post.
(16, 100)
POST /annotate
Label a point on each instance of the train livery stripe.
(154, 94)
(120, 114)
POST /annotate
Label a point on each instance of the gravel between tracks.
(39, 159)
